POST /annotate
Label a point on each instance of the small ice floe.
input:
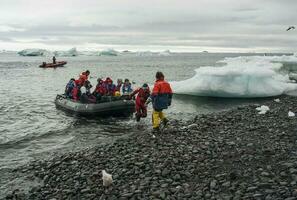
(291, 114)
(277, 100)
(262, 109)
(107, 178)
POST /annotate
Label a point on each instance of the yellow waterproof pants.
(157, 116)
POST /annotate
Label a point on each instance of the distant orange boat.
(52, 65)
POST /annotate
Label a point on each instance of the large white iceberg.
(108, 52)
(70, 52)
(33, 52)
(244, 77)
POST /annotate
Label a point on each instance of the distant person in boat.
(140, 106)
(100, 89)
(119, 85)
(127, 87)
(84, 76)
(54, 60)
(69, 87)
(161, 98)
(110, 87)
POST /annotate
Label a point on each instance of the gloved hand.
(148, 101)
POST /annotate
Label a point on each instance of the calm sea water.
(31, 127)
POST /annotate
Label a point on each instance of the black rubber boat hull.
(111, 108)
(52, 65)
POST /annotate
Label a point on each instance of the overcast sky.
(178, 25)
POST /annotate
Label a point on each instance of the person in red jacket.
(140, 106)
(161, 98)
(100, 89)
(110, 87)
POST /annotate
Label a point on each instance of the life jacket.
(82, 78)
(161, 95)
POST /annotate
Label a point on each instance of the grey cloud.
(217, 23)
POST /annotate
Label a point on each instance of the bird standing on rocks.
(107, 178)
(291, 28)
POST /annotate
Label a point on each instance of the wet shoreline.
(234, 154)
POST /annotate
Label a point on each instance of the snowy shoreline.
(234, 154)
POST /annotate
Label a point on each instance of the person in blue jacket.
(69, 87)
(127, 87)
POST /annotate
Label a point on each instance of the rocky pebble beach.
(234, 154)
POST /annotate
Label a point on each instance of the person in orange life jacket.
(69, 87)
(83, 77)
(140, 106)
(100, 89)
(127, 88)
(161, 98)
(110, 87)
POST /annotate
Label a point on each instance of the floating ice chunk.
(262, 109)
(291, 114)
(277, 100)
(107, 178)
(33, 52)
(108, 52)
(244, 77)
(70, 52)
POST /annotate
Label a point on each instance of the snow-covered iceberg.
(243, 77)
(33, 52)
(108, 52)
(70, 52)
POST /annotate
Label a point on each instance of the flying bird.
(291, 27)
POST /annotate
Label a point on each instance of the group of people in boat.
(80, 89)
(161, 95)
